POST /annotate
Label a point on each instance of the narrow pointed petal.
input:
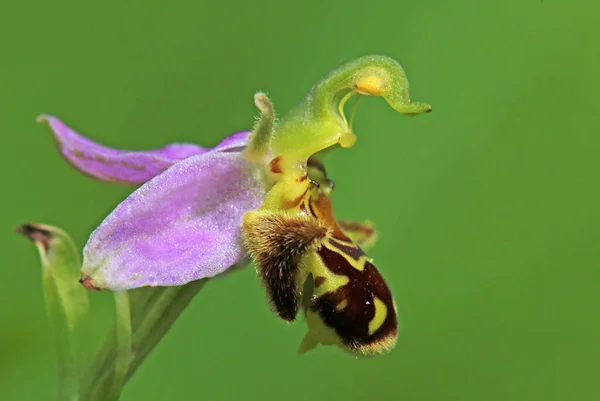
(183, 225)
(122, 166)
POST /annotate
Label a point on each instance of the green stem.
(153, 329)
(68, 379)
(124, 344)
(153, 312)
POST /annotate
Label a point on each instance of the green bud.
(66, 302)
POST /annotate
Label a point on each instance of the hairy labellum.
(349, 303)
(281, 241)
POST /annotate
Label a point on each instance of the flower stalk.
(124, 346)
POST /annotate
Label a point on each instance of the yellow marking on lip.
(357, 264)
(340, 307)
(332, 281)
(380, 315)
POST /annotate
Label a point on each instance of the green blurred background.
(488, 208)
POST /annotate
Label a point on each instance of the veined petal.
(182, 225)
(128, 167)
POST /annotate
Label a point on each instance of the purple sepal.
(122, 166)
(181, 226)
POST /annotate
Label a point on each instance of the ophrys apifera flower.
(266, 194)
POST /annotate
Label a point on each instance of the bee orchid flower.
(263, 193)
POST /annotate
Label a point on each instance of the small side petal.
(122, 166)
(183, 225)
(361, 233)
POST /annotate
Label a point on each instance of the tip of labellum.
(88, 282)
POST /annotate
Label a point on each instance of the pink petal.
(129, 167)
(182, 225)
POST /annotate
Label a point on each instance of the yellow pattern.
(380, 315)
